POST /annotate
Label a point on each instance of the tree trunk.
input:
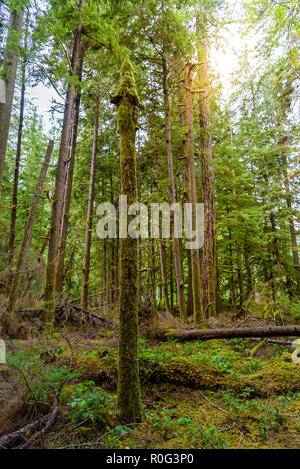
(45, 244)
(195, 260)
(209, 253)
(69, 178)
(189, 305)
(56, 215)
(89, 218)
(239, 274)
(232, 285)
(248, 269)
(129, 393)
(295, 252)
(68, 272)
(28, 230)
(10, 62)
(162, 258)
(12, 231)
(176, 245)
(140, 253)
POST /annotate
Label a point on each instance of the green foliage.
(42, 382)
(170, 424)
(271, 419)
(90, 401)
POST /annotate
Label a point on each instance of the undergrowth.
(180, 409)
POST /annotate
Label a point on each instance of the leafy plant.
(89, 401)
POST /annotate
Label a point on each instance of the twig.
(214, 405)
(228, 428)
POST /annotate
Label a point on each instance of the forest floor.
(212, 394)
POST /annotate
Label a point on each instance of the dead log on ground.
(247, 332)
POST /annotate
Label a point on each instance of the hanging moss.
(129, 394)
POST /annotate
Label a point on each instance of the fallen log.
(247, 332)
(10, 440)
(275, 378)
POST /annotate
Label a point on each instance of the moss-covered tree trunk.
(129, 394)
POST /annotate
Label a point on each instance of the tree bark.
(10, 62)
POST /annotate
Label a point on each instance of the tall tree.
(176, 245)
(89, 217)
(129, 394)
(190, 152)
(209, 254)
(49, 296)
(69, 170)
(11, 244)
(10, 62)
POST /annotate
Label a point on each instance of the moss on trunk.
(129, 394)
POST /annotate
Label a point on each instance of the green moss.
(274, 378)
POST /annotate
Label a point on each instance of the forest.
(149, 224)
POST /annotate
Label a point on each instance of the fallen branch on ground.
(39, 434)
(286, 343)
(93, 315)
